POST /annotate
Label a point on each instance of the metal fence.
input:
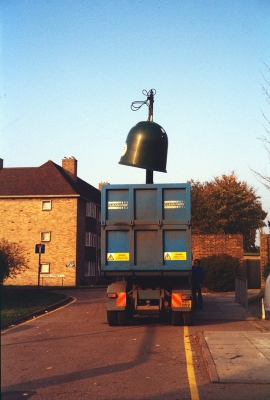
(253, 273)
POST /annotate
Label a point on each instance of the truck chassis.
(164, 298)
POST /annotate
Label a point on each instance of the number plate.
(186, 303)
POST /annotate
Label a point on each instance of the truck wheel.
(122, 318)
(112, 318)
(187, 317)
(177, 318)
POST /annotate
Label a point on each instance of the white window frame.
(90, 239)
(43, 237)
(44, 204)
(46, 267)
(89, 268)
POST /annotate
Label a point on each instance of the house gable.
(47, 180)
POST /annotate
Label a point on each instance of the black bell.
(146, 147)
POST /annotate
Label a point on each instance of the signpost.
(39, 249)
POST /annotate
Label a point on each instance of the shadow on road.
(13, 395)
(143, 354)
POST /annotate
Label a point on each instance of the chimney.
(101, 184)
(70, 167)
(1, 163)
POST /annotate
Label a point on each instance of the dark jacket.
(197, 275)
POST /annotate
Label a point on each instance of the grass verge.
(16, 302)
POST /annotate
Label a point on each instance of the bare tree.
(265, 178)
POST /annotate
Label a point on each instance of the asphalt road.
(72, 353)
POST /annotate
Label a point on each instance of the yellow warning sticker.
(117, 256)
(175, 255)
(167, 256)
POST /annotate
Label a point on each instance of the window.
(46, 205)
(45, 268)
(99, 242)
(89, 268)
(90, 239)
(45, 236)
(91, 210)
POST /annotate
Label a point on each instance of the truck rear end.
(146, 247)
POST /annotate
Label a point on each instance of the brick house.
(51, 205)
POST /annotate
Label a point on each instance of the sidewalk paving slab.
(234, 356)
(237, 357)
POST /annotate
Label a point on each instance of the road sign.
(40, 248)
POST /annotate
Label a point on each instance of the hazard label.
(117, 256)
(175, 255)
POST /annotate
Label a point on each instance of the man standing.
(197, 277)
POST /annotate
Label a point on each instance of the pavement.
(235, 356)
(231, 356)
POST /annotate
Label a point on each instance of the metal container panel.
(146, 228)
(145, 205)
(145, 242)
(117, 205)
(175, 204)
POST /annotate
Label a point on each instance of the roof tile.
(47, 180)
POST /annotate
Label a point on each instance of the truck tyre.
(122, 318)
(177, 318)
(112, 318)
(187, 317)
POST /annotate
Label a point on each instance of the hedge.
(220, 272)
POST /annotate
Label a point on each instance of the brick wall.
(264, 249)
(207, 245)
(81, 241)
(22, 221)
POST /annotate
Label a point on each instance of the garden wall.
(207, 245)
(264, 250)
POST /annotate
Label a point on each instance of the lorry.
(146, 251)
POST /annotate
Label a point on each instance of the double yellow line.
(190, 367)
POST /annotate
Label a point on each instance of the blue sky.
(71, 68)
